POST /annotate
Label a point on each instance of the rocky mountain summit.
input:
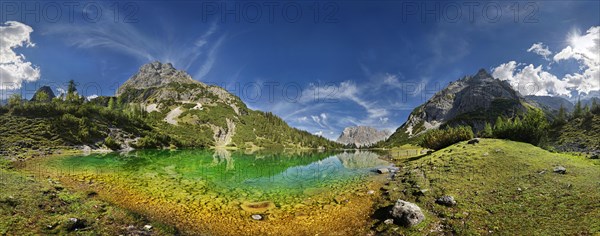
(362, 136)
(156, 74)
(156, 84)
(472, 100)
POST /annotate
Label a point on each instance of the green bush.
(441, 138)
(111, 143)
(532, 128)
(487, 131)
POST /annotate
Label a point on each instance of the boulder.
(560, 170)
(383, 170)
(473, 141)
(257, 217)
(446, 201)
(406, 213)
(74, 224)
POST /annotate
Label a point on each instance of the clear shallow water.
(190, 174)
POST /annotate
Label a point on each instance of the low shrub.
(441, 138)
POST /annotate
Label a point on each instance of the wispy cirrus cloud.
(126, 38)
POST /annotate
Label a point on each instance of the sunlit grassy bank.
(502, 187)
(42, 206)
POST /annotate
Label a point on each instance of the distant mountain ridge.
(362, 136)
(550, 103)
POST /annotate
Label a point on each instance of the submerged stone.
(257, 207)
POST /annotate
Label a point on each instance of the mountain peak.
(157, 65)
(362, 135)
(156, 74)
(471, 101)
(483, 73)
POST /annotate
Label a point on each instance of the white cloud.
(532, 80)
(92, 97)
(14, 69)
(321, 120)
(540, 49)
(302, 119)
(61, 91)
(585, 48)
(319, 133)
(383, 120)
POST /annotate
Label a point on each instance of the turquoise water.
(185, 174)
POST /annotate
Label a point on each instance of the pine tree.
(15, 100)
(120, 102)
(111, 103)
(586, 110)
(595, 107)
(499, 125)
(562, 116)
(487, 131)
(72, 92)
(578, 110)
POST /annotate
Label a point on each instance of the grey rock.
(148, 227)
(471, 94)
(446, 201)
(473, 141)
(73, 224)
(362, 136)
(383, 170)
(560, 170)
(156, 74)
(257, 217)
(388, 221)
(407, 214)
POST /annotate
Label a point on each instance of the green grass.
(503, 187)
(35, 205)
(580, 134)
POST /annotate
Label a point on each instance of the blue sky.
(335, 64)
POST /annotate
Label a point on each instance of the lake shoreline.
(347, 215)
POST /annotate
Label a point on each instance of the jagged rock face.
(550, 103)
(472, 100)
(157, 83)
(156, 74)
(362, 136)
(44, 89)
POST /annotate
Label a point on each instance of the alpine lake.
(224, 192)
